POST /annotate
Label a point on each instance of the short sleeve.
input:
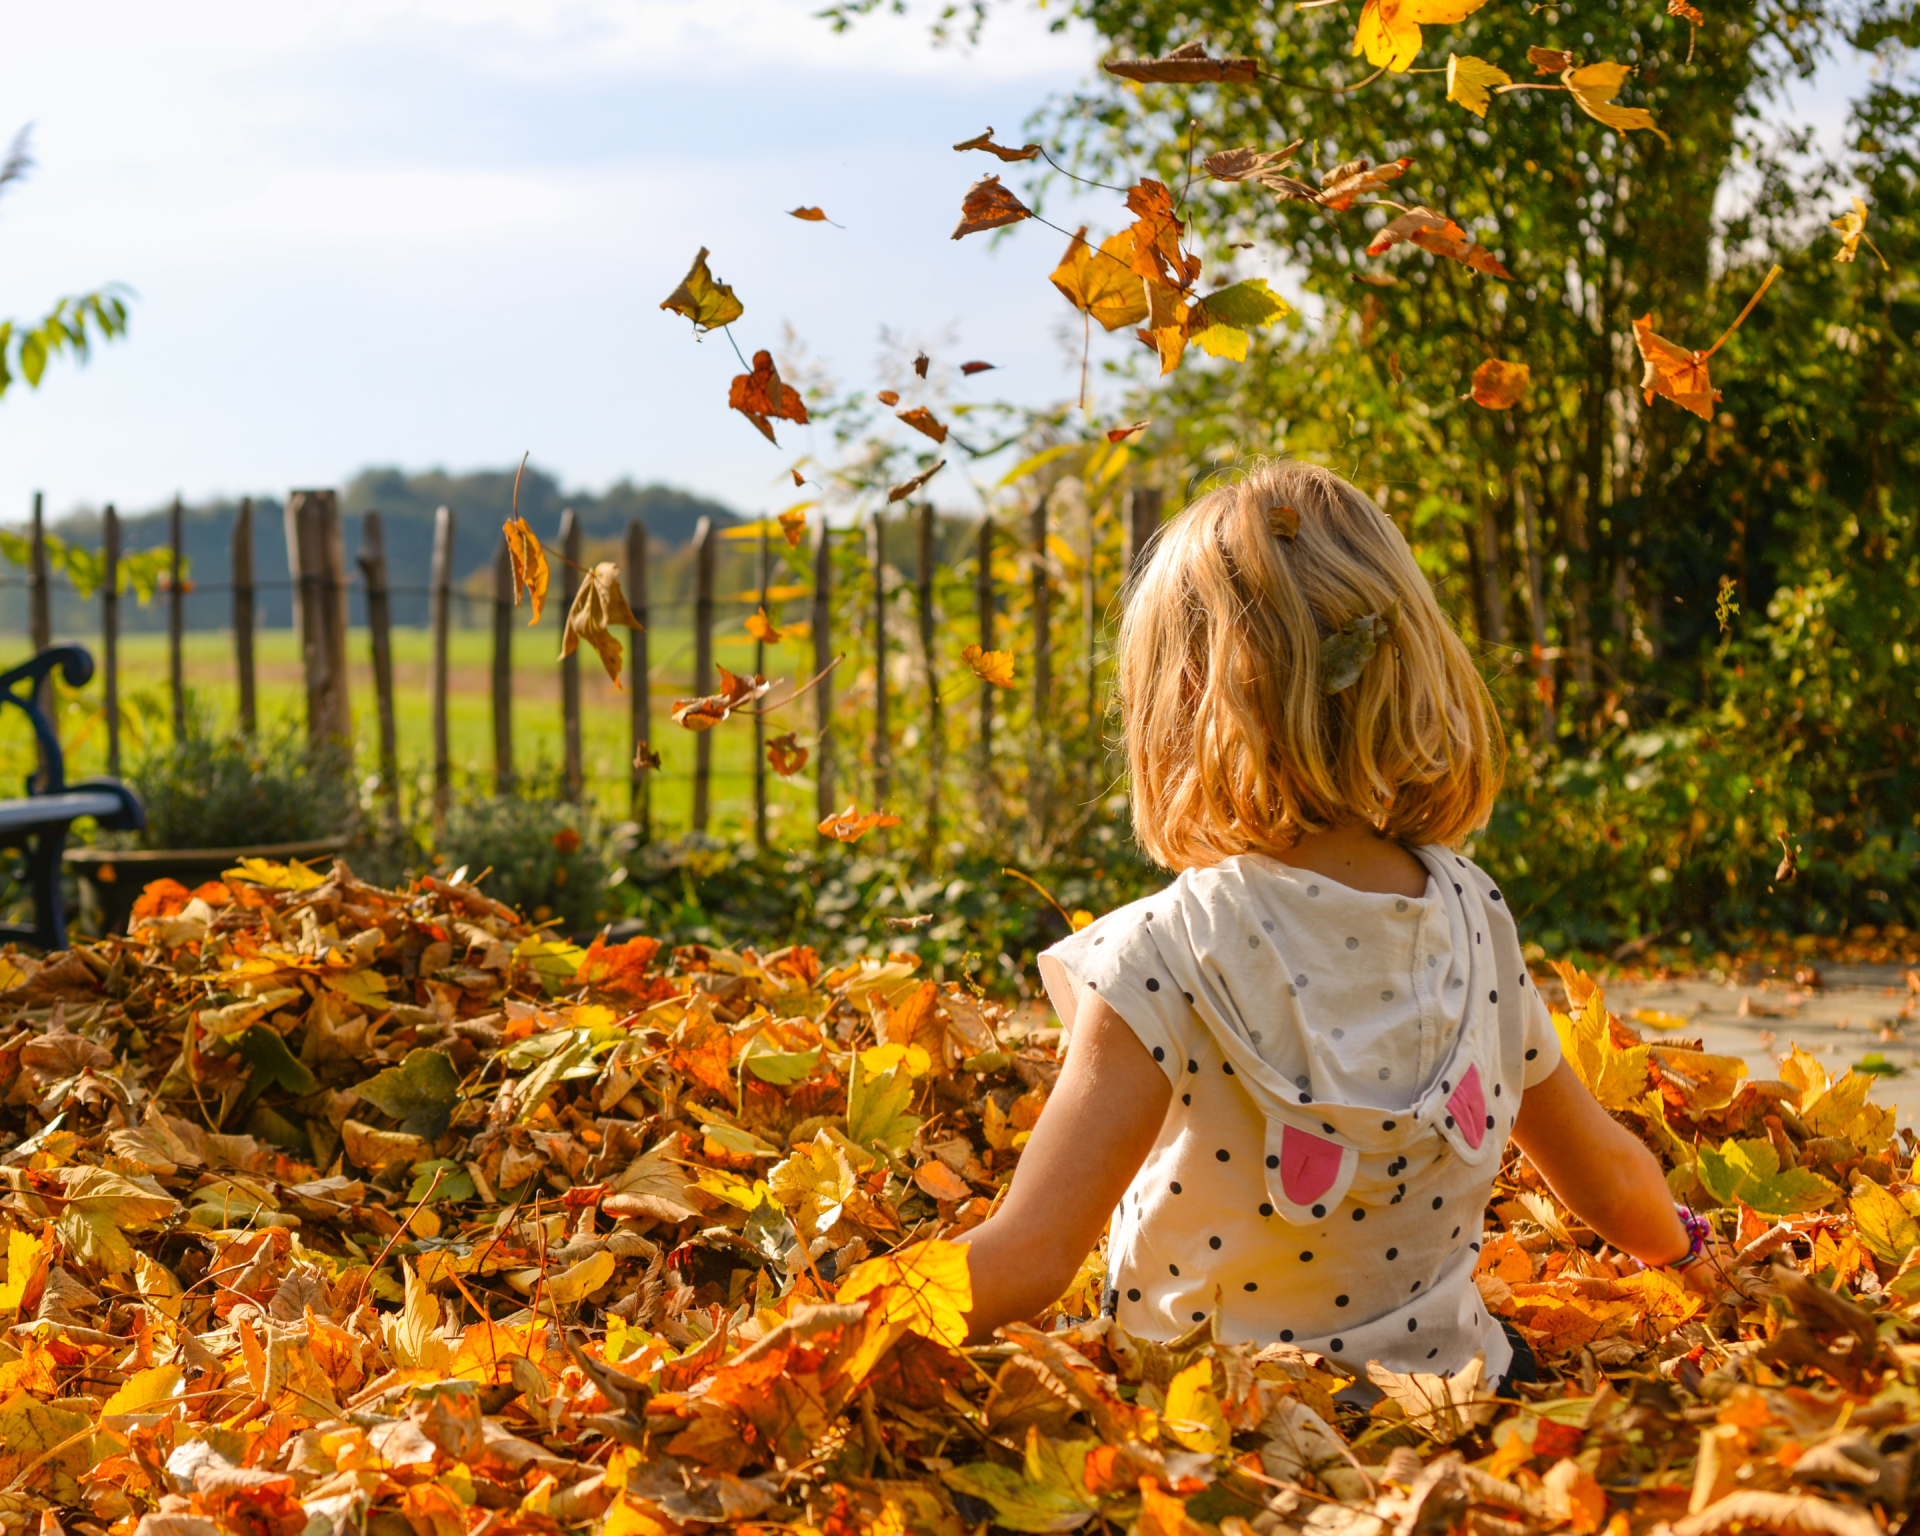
(1119, 960)
(1541, 1048)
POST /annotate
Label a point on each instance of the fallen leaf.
(760, 396)
(924, 422)
(1101, 281)
(1389, 30)
(906, 488)
(994, 667)
(420, 1092)
(988, 205)
(1470, 82)
(709, 304)
(985, 142)
(928, 1286)
(1121, 434)
(1283, 522)
(703, 714)
(850, 826)
(1186, 65)
(1500, 386)
(529, 565)
(1593, 87)
(786, 756)
(597, 607)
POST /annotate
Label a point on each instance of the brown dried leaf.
(988, 205)
(597, 607)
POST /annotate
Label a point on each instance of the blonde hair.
(1233, 741)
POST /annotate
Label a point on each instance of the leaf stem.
(1740, 319)
(782, 704)
(1021, 875)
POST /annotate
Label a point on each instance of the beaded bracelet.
(1699, 1240)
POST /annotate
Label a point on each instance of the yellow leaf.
(1593, 87)
(581, 1279)
(626, 1518)
(29, 1429)
(1192, 1415)
(994, 667)
(275, 877)
(1883, 1221)
(413, 1336)
(703, 299)
(1470, 81)
(928, 1286)
(1101, 282)
(763, 628)
(144, 1390)
(813, 1183)
(529, 560)
(1389, 31)
(884, 1058)
(25, 1254)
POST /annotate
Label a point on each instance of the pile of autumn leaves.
(337, 1209)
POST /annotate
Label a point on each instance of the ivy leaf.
(420, 1093)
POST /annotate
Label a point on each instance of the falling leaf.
(798, 479)
(760, 396)
(1344, 654)
(1156, 231)
(988, 205)
(597, 607)
(924, 422)
(1186, 65)
(1674, 371)
(850, 826)
(906, 488)
(1389, 31)
(1593, 87)
(921, 363)
(1470, 82)
(529, 565)
(972, 368)
(1789, 861)
(985, 142)
(1549, 61)
(1341, 185)
(793, 523)
(707, 303)
(1219, 323)
(811, 215)
(1121, 434)
(1500, 386)
(703, 714)
(994, 667)
(1101, 282)
(786, 756)
(1437, 233)
(1248, 164)
(1852, 228)
(645, 758)
(763, 628)
(1686, 12)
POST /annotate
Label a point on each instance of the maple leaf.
(985, 142)
(1192, 1414)
(811, 215)
(704, 713)
(1887, 1226)
(1156, 231)
(1677, 372)
(1248, 164)
(1389, 30)
(1470, 82)
(988, 205)
(928, 1286)
(786, 756)
(1852, 228)
(1218, 324)
(1101, 281)
(597, 607)
(850, 826)
(760, 396)
(1549, 61)
(924, 422)
(906, 488)
(1186, 65)
(1437, 233)
(1121, 434)
(793, 527)
(1749, 1171)
(972, 368)
(763, 628)
(1593, 87)
(1500, 386)
(709, 304)
(1341, 185)
(994, 667)
(529, 565)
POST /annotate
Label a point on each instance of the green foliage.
(547, 857)
(139, 571)
(71, 326)
(213, 790)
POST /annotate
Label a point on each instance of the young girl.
(1291, 1074)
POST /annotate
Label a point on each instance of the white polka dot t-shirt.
(1346, 1068)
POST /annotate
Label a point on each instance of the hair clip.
(1344, 654)
(1283, 522)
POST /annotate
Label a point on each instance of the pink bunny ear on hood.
(1307, 1175)
(1469, 1108)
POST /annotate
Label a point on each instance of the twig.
(769, 708)
(360, 1295)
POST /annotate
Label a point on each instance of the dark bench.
(37, 825)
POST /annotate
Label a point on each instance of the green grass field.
(537, 731)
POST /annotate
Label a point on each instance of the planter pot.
(111, 879)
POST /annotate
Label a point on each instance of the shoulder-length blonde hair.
(1232, 741)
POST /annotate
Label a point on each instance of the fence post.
(882, 757)
(440, 616)
(40, 614)
(640, 700)
(936, 719)
(983, 610)
(373, 570)
(570, 665)
(1143, 520)
(110, 631)
(502, 669)
(760, 720)
(1537, 615)
(702, 664)
(240, 558)
(176, 623)
(316, 561)
(822, 659)
(1037, 791)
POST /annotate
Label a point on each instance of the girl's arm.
(1599, 1169)
(1101, 1121)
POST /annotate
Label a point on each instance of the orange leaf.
(906, 488)
(1186, 65)
(1549, 61)
(924, 422)
(793, 525)
(887, 396)
(811, 215)
(985, 142)
(1436, 233)
(938, 1180)
(1341, 185)
(988, 205)
(785, 755)
(1674, 371)
(529, 565)
(703, 714)
(850, 826)
(1157, 256)
(1500, 386)
(763, 628)
(994, 667)
(1121, 434)
(760, 396)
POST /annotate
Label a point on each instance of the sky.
(435, 233)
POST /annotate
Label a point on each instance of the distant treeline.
(481, 501)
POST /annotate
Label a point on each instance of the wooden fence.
(320, 579)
